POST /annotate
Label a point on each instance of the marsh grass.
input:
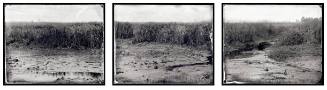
(55, 35)
(191, 34)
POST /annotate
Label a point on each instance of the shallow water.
(26, 66)
(38, 77)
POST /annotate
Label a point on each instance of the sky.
(163, 13)
(269, 13)
(53, 13)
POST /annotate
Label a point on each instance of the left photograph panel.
(54, 44)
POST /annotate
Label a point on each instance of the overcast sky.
(163, 13)
(270, 13)
(53, 13)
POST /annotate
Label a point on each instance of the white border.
(109, 49)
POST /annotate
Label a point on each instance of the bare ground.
(156, 63)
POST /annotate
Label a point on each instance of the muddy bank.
(257, 68)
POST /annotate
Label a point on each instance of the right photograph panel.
(272, 44)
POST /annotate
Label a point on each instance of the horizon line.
(49, 22)
(164, 22)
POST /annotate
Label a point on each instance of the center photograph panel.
(163, 44)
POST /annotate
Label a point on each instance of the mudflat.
(158, 63)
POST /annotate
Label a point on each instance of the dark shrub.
(263, 45)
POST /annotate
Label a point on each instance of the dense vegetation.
(291, 39)
(55, 35)
(191, 34)
(305, 40)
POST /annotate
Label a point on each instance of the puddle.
(171, 68)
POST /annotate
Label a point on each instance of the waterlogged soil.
(157, 63)
(260, 69)
(54, 66)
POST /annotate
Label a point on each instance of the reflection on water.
(92, 75)
(73, 77)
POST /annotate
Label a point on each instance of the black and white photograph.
(54, 44)
(163, 43)
(272, 43)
